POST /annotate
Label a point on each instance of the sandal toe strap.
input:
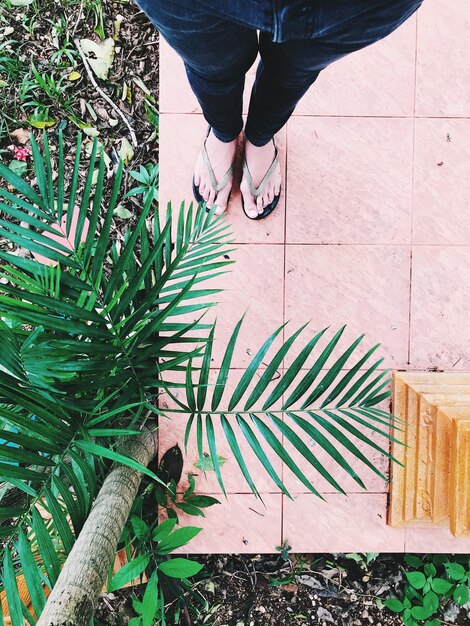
(217, 186)
(257, 191)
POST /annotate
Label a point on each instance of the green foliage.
(11, 68)
(363, 559)
(180, 568)
(148, 179)
(172, 501)
(90, 341)
(65, 55)
(129, 571)
(284, 551)
(81, 345)
(94, 9)
(338, 405)
(151, 605)
(53, 89)
(147, 609)
(149, 542)
(12, 72)
(41, 92)
(432, 581)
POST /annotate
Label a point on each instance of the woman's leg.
(288, 69)
(217, 53)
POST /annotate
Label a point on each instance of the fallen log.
(74, 596)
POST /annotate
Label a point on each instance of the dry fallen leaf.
(102, 113)
(126, 152)
(100, 56)
(20, 135)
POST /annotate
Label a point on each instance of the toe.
(249, 203)
(220, 209)
(222, 200)
(201, 189)
(197, 179)
(212, 198)
(260, 204)
(250, 208)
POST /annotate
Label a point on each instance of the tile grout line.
(444, 244)
(284, 302)
(412, 191)
(348, 116)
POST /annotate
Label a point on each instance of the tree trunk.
(73, 598)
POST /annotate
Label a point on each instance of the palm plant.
(89, 341)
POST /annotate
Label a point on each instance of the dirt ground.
(267, 590)
(48, 38)
(325, 590)
(45, 36)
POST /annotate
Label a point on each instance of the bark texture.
(74, 596)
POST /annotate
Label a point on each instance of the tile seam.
(338, 116)
(355, 244)
(284, 303)
(413, 180)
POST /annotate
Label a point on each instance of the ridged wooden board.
(433, 487)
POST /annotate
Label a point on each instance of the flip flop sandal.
(257, 191)
(214, 184)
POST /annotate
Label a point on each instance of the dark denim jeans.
(218, 42)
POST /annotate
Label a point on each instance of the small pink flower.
(21, 154)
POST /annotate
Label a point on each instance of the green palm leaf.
(82, 345)
(31, 572)
(333, 413)
(260, 453)
(12, 595)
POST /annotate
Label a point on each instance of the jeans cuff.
(258, 142)
(225, 138)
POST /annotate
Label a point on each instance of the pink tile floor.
(373, 230)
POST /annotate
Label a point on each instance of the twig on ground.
(103, 94)
(250, 577)
(79, 17)
(186, 616)
(145, 44)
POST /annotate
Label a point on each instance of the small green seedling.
(432, 581)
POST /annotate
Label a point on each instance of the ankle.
(216, 138)
(257, 143)
(213, 141)
(251, 148)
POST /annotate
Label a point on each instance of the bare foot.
(259, 161)
(221, 156)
